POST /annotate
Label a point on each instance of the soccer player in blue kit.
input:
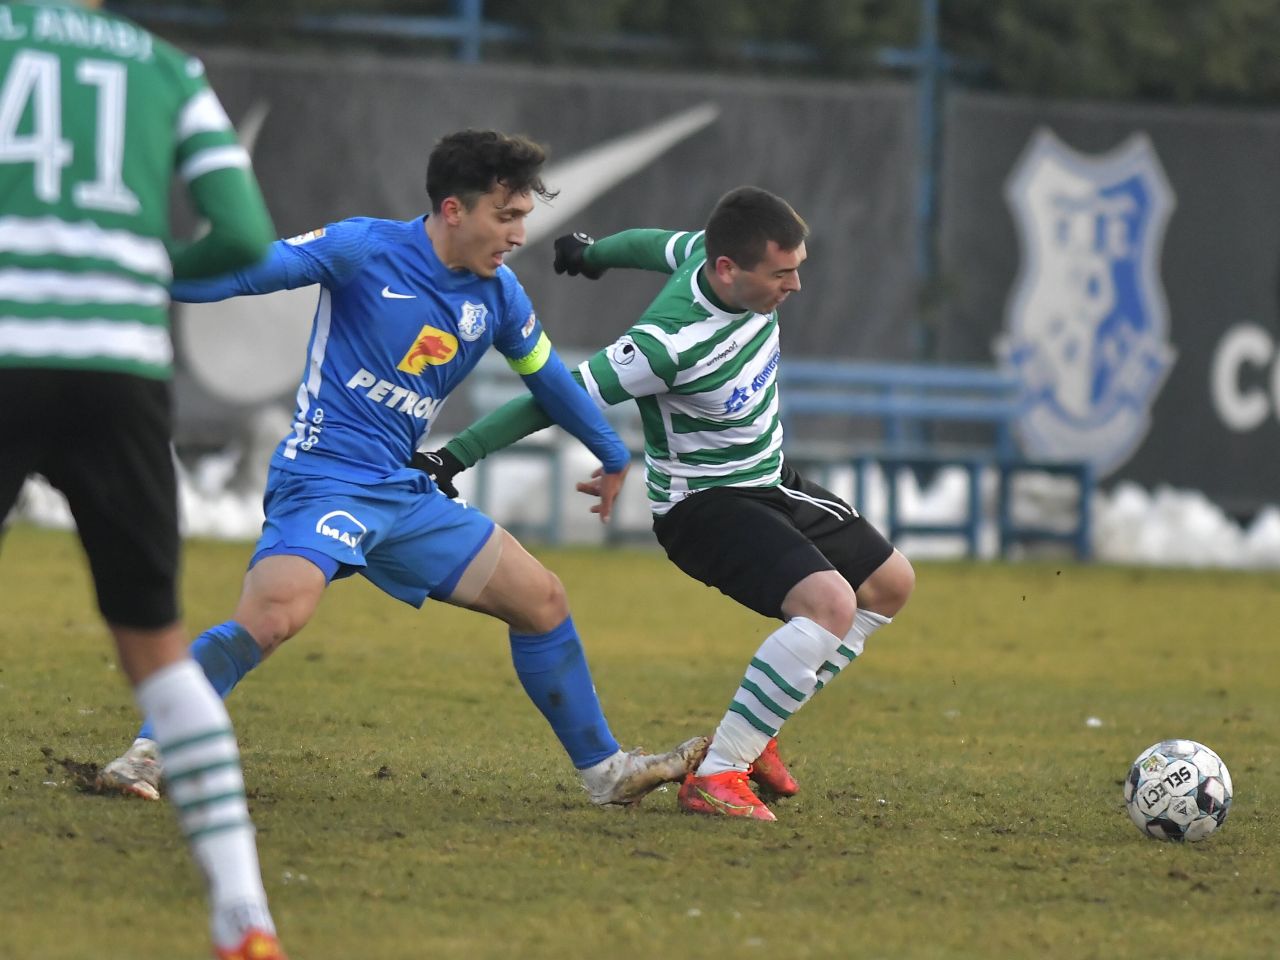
(406, 310)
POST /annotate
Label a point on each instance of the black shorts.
(103, 440)
(755, 543)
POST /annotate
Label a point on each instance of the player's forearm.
(511, 422)
(568, 405)
(641, 249)
(240, 228)
(266, 276)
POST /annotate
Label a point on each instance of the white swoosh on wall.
(249, 350)
(586, 177)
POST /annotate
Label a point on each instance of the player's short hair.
(744, 221)
(470, 163)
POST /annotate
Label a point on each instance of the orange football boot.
(724, 794)
(771, 774)
(256, 945)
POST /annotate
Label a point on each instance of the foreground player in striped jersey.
(95, 115)
(702, 364)
(406, 310)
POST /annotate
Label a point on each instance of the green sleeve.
(642, 249)
(240, 229)
(512, 421)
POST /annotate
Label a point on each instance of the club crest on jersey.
(307, 237)
(623, 352)
(343, 527)
(430, 347)
(1087, 322)
(471, 322)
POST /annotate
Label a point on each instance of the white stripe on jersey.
(78, 339)
(215, 158)
(45, 236)
(833, 507)
(203, 113)
(693, 238)
(670, 252)
(310, 387)
(59, 286)
(724, 436)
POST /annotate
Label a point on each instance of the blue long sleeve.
(331, 258)
(571, 407)
(267, 275)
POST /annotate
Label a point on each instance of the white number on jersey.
(34, 79)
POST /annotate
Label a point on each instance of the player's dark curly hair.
(744, 221)
(470, 163)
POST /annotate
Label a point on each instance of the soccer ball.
(1178, 790)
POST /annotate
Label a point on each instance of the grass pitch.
(411, 803)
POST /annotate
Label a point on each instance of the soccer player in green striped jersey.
(96, 115)
(702, 364)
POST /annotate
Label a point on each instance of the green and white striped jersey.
(703, 376)
(96, 115)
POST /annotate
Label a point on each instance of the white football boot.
(137, 771)
(625, 778)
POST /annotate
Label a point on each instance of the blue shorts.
(404, 536)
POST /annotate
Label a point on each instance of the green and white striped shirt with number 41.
(96, 115)
(703, 376)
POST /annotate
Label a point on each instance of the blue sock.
(553, 670)
(225, 653)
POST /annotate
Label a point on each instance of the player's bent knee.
(271, 622)
(887, 590)
(548, 605)
(825, 598)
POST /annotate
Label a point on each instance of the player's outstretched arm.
(572, 408)
(642, 249)
(329, 257)
(240, 229)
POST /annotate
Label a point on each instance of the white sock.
(865, 623)
(205, 784)
(781, 678)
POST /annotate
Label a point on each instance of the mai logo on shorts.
(343, 527)
(431, 346)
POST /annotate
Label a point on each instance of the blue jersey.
(395, 332)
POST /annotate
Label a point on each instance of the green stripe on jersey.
(731, 453)
(85, 228)
(606, 379)
(732, 368)
(766, 469)
(683, 423)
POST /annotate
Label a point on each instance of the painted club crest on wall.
(1087, 325)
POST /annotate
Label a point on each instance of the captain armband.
(534, 360)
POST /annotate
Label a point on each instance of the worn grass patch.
(410, 803)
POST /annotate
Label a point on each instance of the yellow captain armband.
(534, 360)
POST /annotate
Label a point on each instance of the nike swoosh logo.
(391, 295)
(724, 805)
(584, 178)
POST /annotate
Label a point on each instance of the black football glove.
(570, 252)
(441, 466)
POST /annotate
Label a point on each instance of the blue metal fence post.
(472, 13)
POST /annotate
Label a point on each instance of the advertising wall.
(1194, 343)
(1124, 258)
